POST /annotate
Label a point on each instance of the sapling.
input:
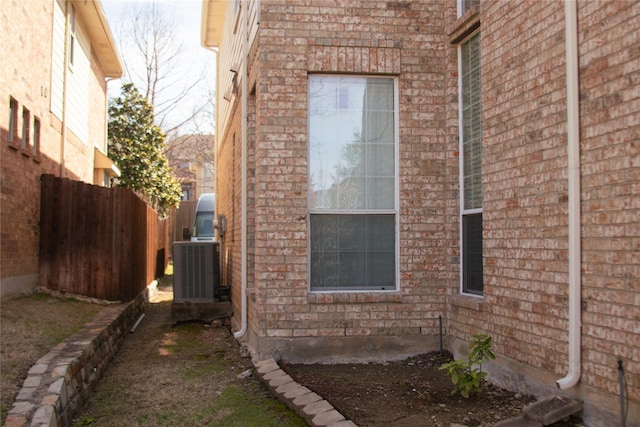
(467, 375)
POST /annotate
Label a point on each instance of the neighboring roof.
(97, 27)
(213, 12)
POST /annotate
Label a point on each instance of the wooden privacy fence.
(181, 218)
(99, 242)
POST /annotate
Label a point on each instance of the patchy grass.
(29, 327)
(183, 375)
(163, 375)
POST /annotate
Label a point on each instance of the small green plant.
(467, 375)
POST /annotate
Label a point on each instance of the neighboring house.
(57, 59)
(382, 164)
(191, 158)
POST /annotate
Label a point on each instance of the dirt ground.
(413, 392)
(196, 374)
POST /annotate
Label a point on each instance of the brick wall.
(525, 304)
(228, 189)
(26, 77)
(525, 212)
(397, 38)
(610, 102)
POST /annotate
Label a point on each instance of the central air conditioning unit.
(196, 272)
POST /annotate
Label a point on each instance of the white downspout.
(573, 157)
(243, 209)
(65, 77)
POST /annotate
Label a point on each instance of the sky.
(194, 58)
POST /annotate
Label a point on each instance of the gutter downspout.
(106, 123)
(573, 157)
(216, 54)
(243, 213)
(65, 77)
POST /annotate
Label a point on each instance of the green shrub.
(467, 375)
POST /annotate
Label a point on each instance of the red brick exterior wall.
(397, 38)
(525, 213)
(26, 77)
(610, 122)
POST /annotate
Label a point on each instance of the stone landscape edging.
(315, 410)
(62, 379)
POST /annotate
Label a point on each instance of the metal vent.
(196, 272)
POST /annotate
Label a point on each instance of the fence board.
(180, 218)
(99, 242)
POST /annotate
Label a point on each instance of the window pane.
(471, 115)
(13, 119)
(350, 121)
(26, 119)
(468, 4)
(352, 252)
(352, 146)
(472, 253)
(379, 127)
(380, 194)
(36, 136)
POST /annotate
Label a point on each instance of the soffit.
(213, 12)
(96, 25)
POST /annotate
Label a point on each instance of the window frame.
(464, 6)
(12, 131)
(37, 134)
(72, 36)
(463, 210)
(26, 130)
(395, 211)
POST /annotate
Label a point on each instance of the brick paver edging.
(62, 379)
(309, 405)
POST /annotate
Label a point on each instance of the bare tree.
(154, 60)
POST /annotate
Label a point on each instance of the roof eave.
(213, 12)
(100, 36)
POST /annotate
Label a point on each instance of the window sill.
(467, 301)
(464, 26)
(353, 297)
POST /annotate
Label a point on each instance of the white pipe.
(243, 209)
(573, 157)
(65, 87)
(135, 326)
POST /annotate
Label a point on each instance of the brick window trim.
(26, 152)
(15, 144)
(475, 303)
(464, 26)
(354, 297)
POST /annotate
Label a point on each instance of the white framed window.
(353, 196)
(36, 137)
(13, 121)
(464, 5)
(72, 35)
(471, 192)
(26, 123)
